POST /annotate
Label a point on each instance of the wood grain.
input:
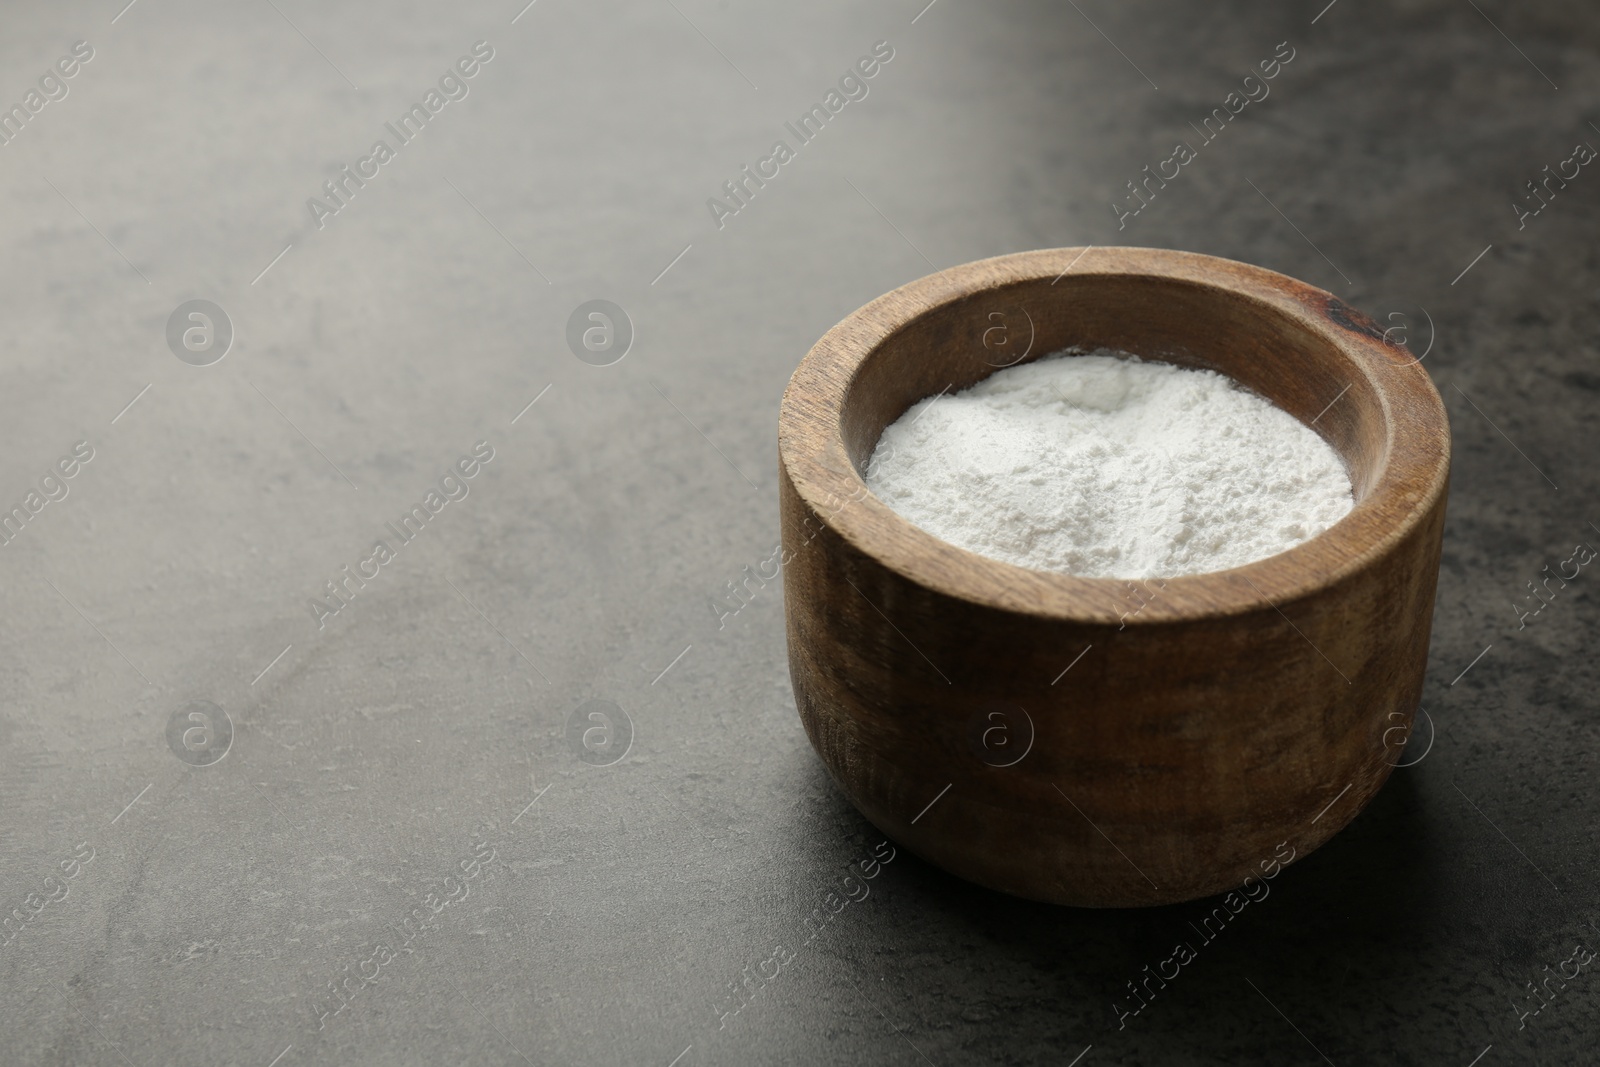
(1213, 716)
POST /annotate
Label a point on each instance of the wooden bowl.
(1092, 741)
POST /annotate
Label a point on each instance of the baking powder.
(1107, 466)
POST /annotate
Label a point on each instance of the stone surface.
(423, 740)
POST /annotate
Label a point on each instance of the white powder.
(1107, 466)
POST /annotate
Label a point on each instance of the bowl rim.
(816, 461)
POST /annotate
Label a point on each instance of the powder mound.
(1107, 466)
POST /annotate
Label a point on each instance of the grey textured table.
(419, 845)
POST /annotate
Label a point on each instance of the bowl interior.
(956, 344)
